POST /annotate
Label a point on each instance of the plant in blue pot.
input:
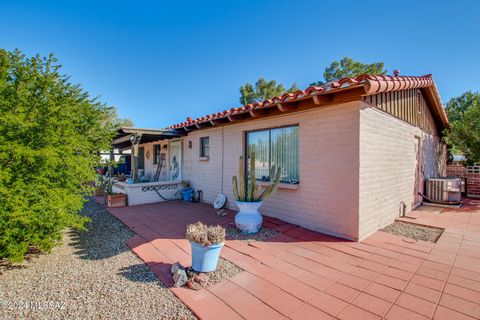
(249, 197)
(206, 242)
(187, 191)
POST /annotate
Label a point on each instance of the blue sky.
(159, 62)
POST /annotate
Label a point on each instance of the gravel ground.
(414, 231)
(92, 275)
(264, 234)
(225, 269)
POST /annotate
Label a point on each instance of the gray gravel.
(92, 275)
(264, 234)
(225, 269)
(414, 231)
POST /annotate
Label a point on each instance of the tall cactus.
(245, 187)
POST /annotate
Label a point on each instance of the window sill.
(282, 185)
(203, 158)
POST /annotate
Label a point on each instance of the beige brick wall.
(326, 199)
(387, 166)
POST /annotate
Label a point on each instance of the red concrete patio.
(301, 274)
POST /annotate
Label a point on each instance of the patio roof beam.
(258, 113)
(322, 99)
(283, 107)
(217, 122)
(238, 117)
(202, 125)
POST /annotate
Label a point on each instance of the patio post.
(110, 164)
(135, 139)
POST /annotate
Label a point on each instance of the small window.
(204, 147)
(277, 146)
(156, 153)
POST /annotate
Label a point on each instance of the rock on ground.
(92, 275)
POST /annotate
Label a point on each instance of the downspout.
(223, 152)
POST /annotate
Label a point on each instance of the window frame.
(202, 147)
(156, 156)
(269, 129)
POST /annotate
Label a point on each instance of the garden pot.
(248, 220)
(205, 259)
(99, 192)
(187, 195)
(116, 200)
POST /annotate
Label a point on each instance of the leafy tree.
(113, 118)
(262, 91)
(464, 116)
(347, 67)
(50, 133)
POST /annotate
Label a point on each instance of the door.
(418, 187)
(141, 158)
(175, 160)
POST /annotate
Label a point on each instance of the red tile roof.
(372, 85)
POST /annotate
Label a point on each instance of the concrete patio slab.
(301, 274)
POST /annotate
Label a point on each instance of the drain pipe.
(403, 210)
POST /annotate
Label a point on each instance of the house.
(354, 153)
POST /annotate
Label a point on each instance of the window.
(278, 146)
(204, 146)
(156, 153)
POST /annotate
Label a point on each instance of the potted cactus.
(248, 196)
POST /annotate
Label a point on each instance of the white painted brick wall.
(387, 166)
(327, 197)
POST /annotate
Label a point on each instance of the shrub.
(205, 235)
(50, 134)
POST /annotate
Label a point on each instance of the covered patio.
(301, 274)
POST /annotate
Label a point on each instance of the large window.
(204, 146)
(278, 146)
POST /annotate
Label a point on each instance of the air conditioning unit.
(444, 189)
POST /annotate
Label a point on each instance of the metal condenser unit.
(444, 189)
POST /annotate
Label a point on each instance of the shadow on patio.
(302, 274)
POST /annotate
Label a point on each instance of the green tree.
(347, 67)
(262, 91)
(464, 117)
(113, 118)
(50, 133)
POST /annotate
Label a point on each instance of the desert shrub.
(205, 235)
(50, 133)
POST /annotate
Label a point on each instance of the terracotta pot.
(99, 192)
(116, 200)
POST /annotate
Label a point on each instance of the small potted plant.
(187, 192)
(206, 242)
(248, 197)
(112, 199)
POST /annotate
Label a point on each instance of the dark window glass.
(278, 146)
(204, 147)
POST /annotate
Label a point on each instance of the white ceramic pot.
(248, 220)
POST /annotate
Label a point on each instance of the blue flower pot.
(205, 259)
(187, 195)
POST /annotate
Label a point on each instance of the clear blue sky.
(159, 62)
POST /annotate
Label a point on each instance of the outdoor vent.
(444, 189)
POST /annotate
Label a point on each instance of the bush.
(50, 135)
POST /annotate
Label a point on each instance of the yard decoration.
(248, 196)
(206, 242)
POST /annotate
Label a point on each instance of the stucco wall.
(387, 166)
(326, 199)
(150, 168)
